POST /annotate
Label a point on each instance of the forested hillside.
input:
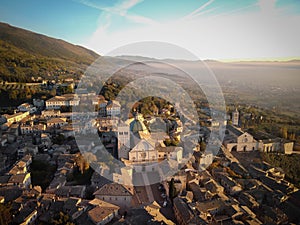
(24, 54)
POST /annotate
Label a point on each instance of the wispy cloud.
(198, 11)
(141, 19)
(233, 12)
(92, 5)
(129, 4)
(121, 9)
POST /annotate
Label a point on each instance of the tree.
(202, 146)
(292, 137)
(62, 219)
(167, 142)
(13, 95)
(27, 92)
(83, 161)
(172, 189)
(89, 157)
(284, 132)
(53, 92)
(41, 173)
(175, 142)
(59, 139)
(68, 89)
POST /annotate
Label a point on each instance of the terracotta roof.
(183, 209)
(103, 204)
(26, 158)
(113, 104)
(98, 213)
(17, 178)
(144, 145)
(13, 115)
(168, 149)
(209, 205)
(24, 215)
(10, 193)
(56, 120)
(234, 130)
(113, 189)
(66, 97)
(56, 99)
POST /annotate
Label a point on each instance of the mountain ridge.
(11, 34)
(25, 54)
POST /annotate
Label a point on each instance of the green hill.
(24, 54)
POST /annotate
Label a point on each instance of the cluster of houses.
(30, 132)
(131, 141)
(224, 193)
(227, 193)
(31, 205)
(19, 174)
(106, 108)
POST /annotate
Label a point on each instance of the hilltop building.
(237, 140)
(136, 145)
(65, 100)
(113, 108)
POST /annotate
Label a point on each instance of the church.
(136, 145)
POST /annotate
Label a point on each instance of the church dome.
(137, 125)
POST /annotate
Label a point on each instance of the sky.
(210, 29)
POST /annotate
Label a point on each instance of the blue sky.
(217, 29)
(64, 19)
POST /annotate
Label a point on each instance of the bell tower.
(123, 141)
(235, 117)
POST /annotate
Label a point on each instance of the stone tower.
(235, 117)
(123, 141)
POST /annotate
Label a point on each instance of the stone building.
(237, 140)
(116, 194)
